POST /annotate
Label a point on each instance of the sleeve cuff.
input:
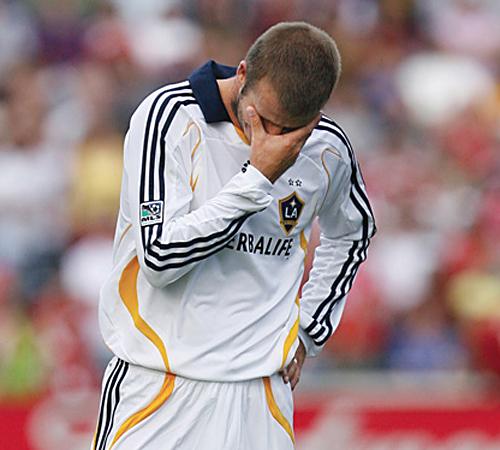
(311, 348)
(255, 177)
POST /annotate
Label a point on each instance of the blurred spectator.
(423, 339)
(83, 270)
(105, 37)
(17, 39)
(465, 26)
(164, 42)
(34, 176)
(21, 368)
(434, 87)
(360, 340)
(60, 30)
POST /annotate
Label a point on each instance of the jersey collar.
(205, 89)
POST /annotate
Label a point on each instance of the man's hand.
(273, 154)
(291, 373)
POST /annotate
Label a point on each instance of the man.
(223, 176)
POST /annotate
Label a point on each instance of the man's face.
(264, 99)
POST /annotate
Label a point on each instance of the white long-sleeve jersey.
(209, 254)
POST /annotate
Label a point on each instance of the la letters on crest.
(290, 209)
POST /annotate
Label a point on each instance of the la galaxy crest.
(290, 209)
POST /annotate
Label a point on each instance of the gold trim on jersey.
(294, 331)
(292, 335)
(335, 153)
(275, 410)
(127, 228)
(242, 136)
(193, 182)
(127, 288)
(128, 292)
(303, 243)
(198, 141)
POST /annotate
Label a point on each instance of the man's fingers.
(295, 379)
(294, 369)
(255, 122)
(291, 372)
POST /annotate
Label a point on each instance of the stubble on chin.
(237, 111)
(234, 107)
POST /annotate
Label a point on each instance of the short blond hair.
(302, 64)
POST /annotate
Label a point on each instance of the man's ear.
(241, 72)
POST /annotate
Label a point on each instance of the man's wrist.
(307, 342)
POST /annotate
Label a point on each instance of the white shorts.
(145, 409)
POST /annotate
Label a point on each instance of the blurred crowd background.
(419, 97)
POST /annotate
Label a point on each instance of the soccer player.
(224, 174)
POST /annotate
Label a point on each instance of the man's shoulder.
(328, 138)
(169, 100)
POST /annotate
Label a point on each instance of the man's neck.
(228, 89)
